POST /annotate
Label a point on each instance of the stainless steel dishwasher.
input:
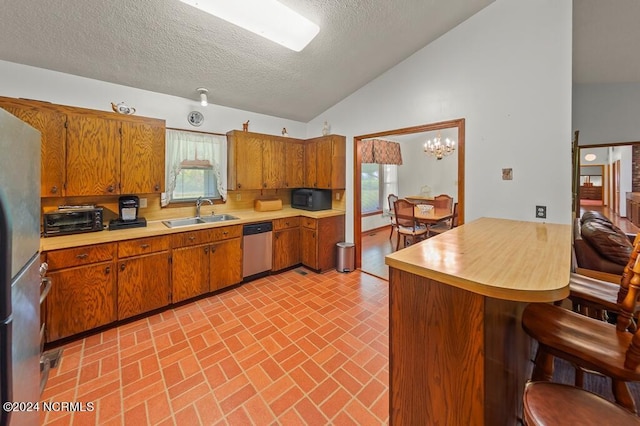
(257, 249)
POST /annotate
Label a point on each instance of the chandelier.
(438, 148)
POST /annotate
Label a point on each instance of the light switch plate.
(143, 203)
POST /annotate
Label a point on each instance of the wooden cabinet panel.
(323, 166)
(93, 155)
(80, 299)
(189, 272)
(319, 245)
(245, 160)
(286, 222)
(51, 125)
(330, 233)
(294, 164)
(225, 232)
(143, 284)
(78, 256)
(309, 248)
(190, 238)
(310, 164)
(143, 157)
(324, 163)
(142, 246)
(225, 263)
(286, 248)
(273, 165)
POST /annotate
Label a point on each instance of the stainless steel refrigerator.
(19, 267)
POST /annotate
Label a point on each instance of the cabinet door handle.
(206, 250)
(225, 232)
(239, 186)
(107, 269)
(54, 189)
(314, 235)
(213, 250)
(264, 185)
(157, 187)
(192, 238)
(111, 188)
(82, 256)
(122, 267)
(144, 246)
(47, 288)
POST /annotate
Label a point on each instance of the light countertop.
(155, 228)
(499, 258)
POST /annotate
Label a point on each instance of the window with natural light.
(196, 166)
(378, 181)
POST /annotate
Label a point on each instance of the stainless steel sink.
(174, 223)
(218, 218)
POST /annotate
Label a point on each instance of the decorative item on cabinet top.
(123, 108)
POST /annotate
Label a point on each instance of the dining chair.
(407, 224)
(587, 343)
(391, 199)
(443, 201)
(441, 227)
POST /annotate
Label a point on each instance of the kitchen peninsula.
(457, 352)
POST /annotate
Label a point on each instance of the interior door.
(616, 187)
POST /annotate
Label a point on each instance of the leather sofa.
(599, 245)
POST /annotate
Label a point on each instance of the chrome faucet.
(199, 202)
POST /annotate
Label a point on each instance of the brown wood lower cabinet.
(286, 243)
(143, 275)
(225, 263)
(81, 298)
(83, 290)
(189, 272)
(318, 241)
(143, 284)
(211, 260)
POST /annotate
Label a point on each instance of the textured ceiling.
(168, 47)
(606, 41)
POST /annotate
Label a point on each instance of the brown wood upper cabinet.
(258, 161)
(324, 162)
(51, 125)
(88, 152)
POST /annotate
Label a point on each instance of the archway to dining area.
(413, 137)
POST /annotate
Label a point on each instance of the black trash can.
(346, 257)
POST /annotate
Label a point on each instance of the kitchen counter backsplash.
(236, 200)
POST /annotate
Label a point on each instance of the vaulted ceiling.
(168, 47)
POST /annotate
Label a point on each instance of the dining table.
(432, 216)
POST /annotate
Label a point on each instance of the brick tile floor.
(286, 349)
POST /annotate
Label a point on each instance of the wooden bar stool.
(555, 404)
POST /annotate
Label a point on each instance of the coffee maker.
(128, 214)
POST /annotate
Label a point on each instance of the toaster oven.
(75, 220)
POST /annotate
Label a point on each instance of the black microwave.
(75, 220)
(311, 199)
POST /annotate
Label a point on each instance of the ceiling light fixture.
(590, 157)
(439, 149)
(267, 18)
(203, 96)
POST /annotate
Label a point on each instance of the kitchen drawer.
(309, 222)
(285, 223)
(67, 258)
(142, 246)
(185, 239)
(226, 232)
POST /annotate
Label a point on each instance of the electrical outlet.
(338, 196)
(541, 212)
(143, 203)
(238, 197)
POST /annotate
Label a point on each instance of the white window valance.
(194, 150)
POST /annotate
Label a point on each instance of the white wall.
(606, 113)
(507, 71)
(21, 81)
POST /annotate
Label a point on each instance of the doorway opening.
(457, 125)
